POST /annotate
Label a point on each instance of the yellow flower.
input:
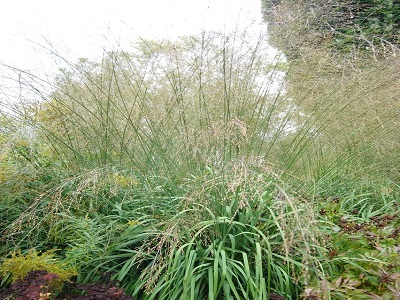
(133, 222)
(124, 181)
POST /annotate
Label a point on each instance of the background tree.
(343, 58)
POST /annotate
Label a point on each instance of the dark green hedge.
(362, 23)
(367, 22)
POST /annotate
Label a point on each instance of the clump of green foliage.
(236, 235)
(19, 265)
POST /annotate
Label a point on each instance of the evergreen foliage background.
(346, 23)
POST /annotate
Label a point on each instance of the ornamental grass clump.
(237, 234)
(187, 168)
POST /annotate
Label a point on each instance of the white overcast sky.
(83, 28)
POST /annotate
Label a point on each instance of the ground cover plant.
(184, 170)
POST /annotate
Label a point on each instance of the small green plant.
(19, 265)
